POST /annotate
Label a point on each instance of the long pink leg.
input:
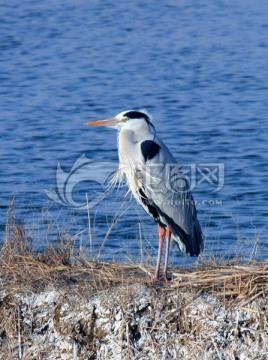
(167, 255)
(161, 234)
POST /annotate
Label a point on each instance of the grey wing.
(165, 194)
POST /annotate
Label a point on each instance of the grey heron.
(156, 181)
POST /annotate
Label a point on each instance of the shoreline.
(90, 310)
(57, 305)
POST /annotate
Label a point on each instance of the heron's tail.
(191, 244)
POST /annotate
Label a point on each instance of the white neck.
(130, 136)
(138, 130)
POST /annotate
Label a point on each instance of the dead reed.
(21, 266)
(52, 295)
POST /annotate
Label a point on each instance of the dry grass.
(21, 266)
(232, 282)
(171, 319)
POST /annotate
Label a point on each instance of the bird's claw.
(164, 278)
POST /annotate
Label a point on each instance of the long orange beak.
(105, 122)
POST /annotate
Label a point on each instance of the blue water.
(200, 67)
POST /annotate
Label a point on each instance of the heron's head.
(126, 119)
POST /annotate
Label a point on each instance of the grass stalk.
(89, 227)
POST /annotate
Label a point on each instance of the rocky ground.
(54, 305)
(131, 321)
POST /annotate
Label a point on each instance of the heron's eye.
(125, 118)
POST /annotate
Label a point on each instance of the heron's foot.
(167, 279)
(164, 278)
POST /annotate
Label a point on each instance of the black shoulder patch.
(149, 149)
